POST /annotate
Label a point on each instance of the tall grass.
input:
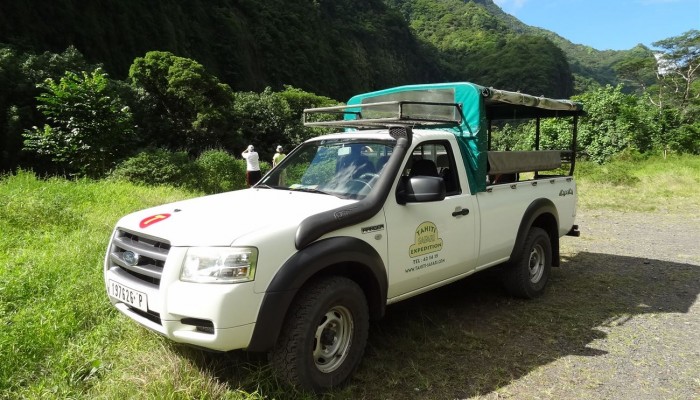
(60, 338)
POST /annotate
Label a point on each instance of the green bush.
(157, 167)
(214, 171)
(218, 171)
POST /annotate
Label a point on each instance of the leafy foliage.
(88, 128)
(185, 106)
(20, 77)
(615, 122)
(213, 171)
(270, 118)
(680, 68)
(637, 70)
(298, 100)
(218, 171)
(156, 167)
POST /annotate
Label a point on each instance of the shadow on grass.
(469, 338)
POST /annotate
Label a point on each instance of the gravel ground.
(647, 267)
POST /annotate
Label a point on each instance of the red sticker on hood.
(148, 221)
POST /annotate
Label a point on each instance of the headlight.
(219, 264)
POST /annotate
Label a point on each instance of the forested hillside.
(334, 48)
(476, 42)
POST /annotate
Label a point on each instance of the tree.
(270, 118)
(88, 128)
(637, 69)
(676, 96)
(614, 122)
(20, 75)
(298, 100)
(679, 66)
(262, 120)
(182, 106)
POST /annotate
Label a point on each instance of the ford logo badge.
(130, 258)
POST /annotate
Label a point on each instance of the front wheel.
(527, 276)
(324, 335)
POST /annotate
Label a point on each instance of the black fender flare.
(533, 217)
(342, 255)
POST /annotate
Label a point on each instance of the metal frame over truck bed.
(466, 109)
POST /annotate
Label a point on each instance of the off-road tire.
(324, 335)
(527, 276)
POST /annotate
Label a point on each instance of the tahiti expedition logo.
(427, 240)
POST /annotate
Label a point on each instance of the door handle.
(462, 211)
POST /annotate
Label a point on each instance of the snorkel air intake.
(317, 225)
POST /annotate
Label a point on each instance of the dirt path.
(647, 268)
(667, 237)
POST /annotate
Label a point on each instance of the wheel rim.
(333, 339)
(536, 263)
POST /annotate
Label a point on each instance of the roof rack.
(386, 114)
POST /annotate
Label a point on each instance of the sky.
(608, 24)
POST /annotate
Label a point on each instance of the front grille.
(145, 256)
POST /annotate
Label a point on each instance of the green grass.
(648, 185)
(60, 338)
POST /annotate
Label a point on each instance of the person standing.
(252, 160)
(279, 156)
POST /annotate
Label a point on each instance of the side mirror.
(420, 189)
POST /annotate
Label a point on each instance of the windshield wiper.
(310, 190)
(265, 186)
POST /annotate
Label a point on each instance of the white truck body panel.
(501, 210)
(228, 216)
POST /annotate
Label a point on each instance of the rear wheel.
(324, 335)
(527, 276)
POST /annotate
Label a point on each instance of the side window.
(434, 159)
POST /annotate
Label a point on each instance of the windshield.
(345, 168)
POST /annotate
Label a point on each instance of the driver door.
(431, 242)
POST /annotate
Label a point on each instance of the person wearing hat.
(252, 160)
(279, 156)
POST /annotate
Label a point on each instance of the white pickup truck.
(406, 199)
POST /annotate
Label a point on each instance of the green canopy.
(472, 107)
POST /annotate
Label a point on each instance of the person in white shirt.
(252, 173)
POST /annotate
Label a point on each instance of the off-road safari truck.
(405, 199)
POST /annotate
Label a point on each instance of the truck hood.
(218, 220)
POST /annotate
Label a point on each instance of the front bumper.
(214, 316)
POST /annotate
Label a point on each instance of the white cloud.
(510, 6)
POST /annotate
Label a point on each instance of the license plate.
(128, 295)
